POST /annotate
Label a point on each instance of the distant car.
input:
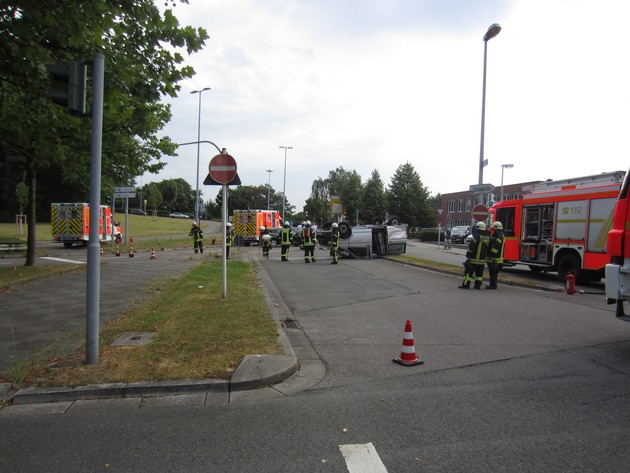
(178, 215)
(459, 234)
(275, 236)
(137, 212)
(468, 239)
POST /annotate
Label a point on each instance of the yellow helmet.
(497, 225)
(480, 226)
(262, 228)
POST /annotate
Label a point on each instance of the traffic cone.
(101, 250)
(131, 255)
(153, 254)
(117, 250)
(408, 353)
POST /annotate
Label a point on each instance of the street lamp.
(198, 143)
(493, 30)
(268, 187)
(503, 167)
(284, 185)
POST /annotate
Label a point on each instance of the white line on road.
(362, 458)
(61, 260)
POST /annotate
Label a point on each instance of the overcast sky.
(373, 84)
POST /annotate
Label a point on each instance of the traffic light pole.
(94, 255)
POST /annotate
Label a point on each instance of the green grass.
(198, 334)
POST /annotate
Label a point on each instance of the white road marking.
(61, 260)
(362, 458)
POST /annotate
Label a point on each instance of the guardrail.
(12, 246)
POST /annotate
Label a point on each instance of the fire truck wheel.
(568, 264)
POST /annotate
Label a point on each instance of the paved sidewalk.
(47, 312)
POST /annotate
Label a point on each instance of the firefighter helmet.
(262, 228)
(497, 225)
(228, 224)
(307, 223)
(480, 226)
(287, 224)
(335, 225)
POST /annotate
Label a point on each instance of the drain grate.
(128, 339)
(290, 324)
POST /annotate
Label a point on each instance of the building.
(458, 205)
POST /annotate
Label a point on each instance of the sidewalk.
(46, 312)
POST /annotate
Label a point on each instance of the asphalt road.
(513, 380)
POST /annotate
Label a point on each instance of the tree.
(143, 64)
(253, 197)
(153, 196)
(374, 200)
(408, 199)
(177, 195)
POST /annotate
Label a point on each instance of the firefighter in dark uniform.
(197, 233)
(228, 239)
(494, 257)
(334, 243)
(285, 241)
(476, 257)
(265, 241)
(308, 242)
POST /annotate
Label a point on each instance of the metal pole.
(502, 169)
(94, 253)
(268, 187)
(483, 112)
(198, 149)
(284, 184)
(223, 235)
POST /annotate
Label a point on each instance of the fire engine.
(71, 223)
(561, 226)
(617, 273)
(246, 224)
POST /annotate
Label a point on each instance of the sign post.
(222, 169)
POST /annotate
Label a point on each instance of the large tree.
(254, 198)
(142, 56)
(408, 199)
(374, 198)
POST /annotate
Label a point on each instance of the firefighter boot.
(478, 284)
(465, 285)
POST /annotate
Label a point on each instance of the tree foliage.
(408, 199)
(374, 199)
(255, 198)
(143, 63)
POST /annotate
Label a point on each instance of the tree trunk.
(31, 217)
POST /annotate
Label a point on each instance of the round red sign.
(222, 168)
(480, 213)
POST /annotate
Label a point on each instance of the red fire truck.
(618, 271)
(561, 226)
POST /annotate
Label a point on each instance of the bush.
(430, 234)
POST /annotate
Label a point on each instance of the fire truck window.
(506, 217)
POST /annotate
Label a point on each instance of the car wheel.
(345, 230)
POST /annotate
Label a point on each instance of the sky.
(374, 84)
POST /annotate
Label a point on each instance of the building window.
(468, 205)
(451, 206)
(459, 205)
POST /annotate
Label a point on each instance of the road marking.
(362, 458)
(61, 260)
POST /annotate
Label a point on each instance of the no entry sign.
(222, 168)
(480, 213)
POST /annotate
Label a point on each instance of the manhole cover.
(290, 324)
(133, 339)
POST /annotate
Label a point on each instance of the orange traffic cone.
(117, 250)
(153, 254)
(101, 251)
(131, 255)
(408, 353)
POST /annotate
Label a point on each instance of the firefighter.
(334, 243)
(285, 241)
(476, 257)
(308, 242)
(265, 241)
(228, 239)
(494, 258)
(197, 233)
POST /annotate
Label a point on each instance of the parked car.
(137, 212)
(275, 236)
(178, 215)
(459, 234)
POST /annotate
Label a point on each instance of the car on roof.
(459, 233)
(137, 212)
(178, 215)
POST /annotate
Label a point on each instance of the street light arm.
(221, 150)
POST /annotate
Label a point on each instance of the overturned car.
(367, 241)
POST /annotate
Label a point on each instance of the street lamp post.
(504, 167)
(268, 187)
(493, 30)
(198, 143)
(284, 184)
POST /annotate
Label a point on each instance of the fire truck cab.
(561, 226)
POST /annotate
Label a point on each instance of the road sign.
(125, 192)
(481, 188)
(440, 211)
(222, 168)
(480, 213)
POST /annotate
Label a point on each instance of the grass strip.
(198, 334)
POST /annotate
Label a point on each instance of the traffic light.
(69, 85)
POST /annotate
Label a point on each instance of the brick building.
(458, 205)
